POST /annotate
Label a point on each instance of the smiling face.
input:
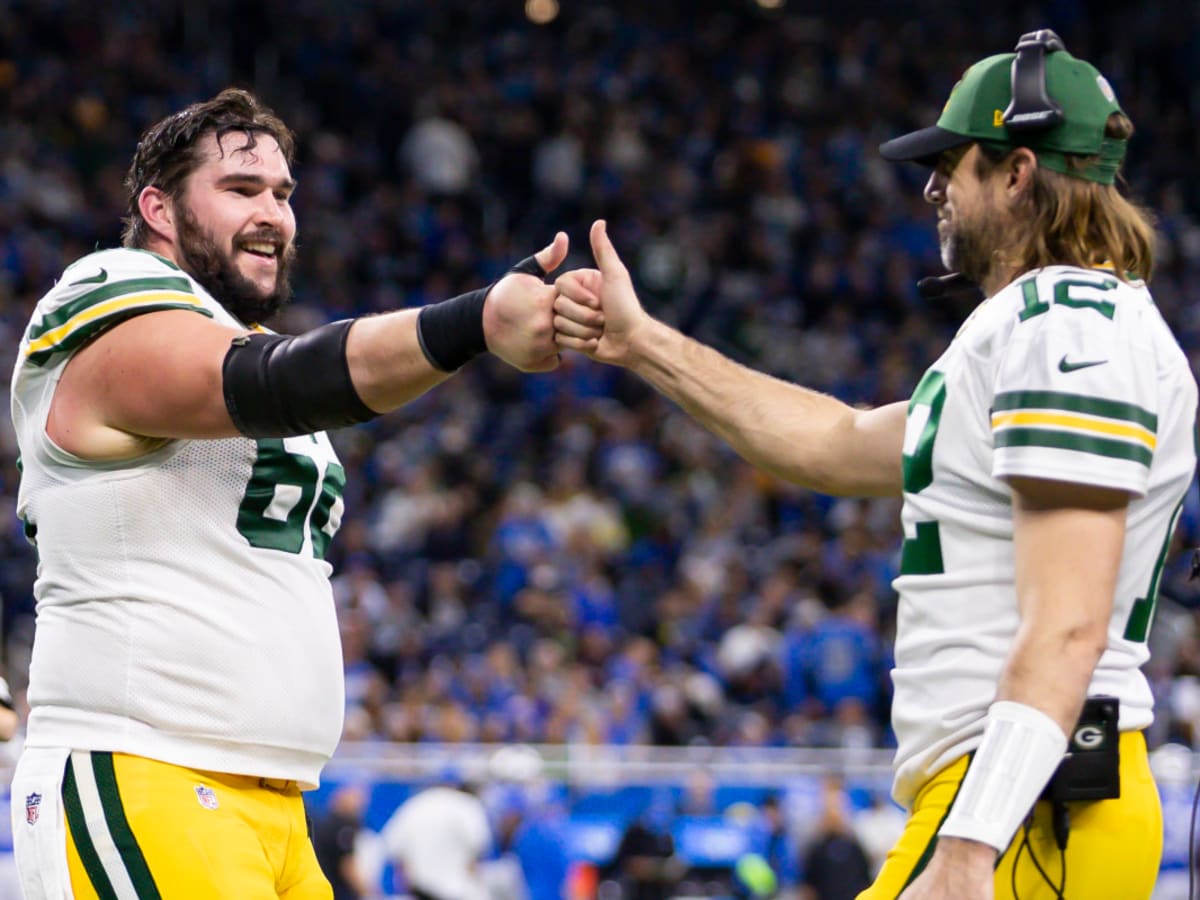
(234, 225)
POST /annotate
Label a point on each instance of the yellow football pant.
(138, 828)
(1113, 847)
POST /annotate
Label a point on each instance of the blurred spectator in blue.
(439, 152)
(540, 845)
(837, 663)
(1172, 765)
(779, 846)
(530, 825)
(699, 797)
(521, 540)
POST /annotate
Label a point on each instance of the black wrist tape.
(279, 386)
(529, 266)
(451, 332)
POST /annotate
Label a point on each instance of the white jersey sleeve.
(1074, 397)
(99, 291)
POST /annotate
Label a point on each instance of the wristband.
(451, 332)
(1021, 748)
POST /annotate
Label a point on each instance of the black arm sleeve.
(277, 386)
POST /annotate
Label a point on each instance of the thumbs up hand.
(597, 311)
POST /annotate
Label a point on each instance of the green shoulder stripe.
(1070, 440)
(69, 311)
(76, 335)
(80, 319)
(1078, 403)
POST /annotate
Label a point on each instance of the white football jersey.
(184, 611)
(1067, 374)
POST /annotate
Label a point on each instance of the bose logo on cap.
(1029, 116)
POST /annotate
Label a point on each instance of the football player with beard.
(186, 681)
(1042, 461)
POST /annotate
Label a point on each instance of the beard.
(219, 275)
(971, 248)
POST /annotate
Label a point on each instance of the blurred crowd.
(566, 557)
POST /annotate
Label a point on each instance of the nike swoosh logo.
(1064, 366)
(95, 279)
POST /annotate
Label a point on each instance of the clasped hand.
(594, 311)
(597, 311)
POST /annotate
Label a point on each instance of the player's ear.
(158, 211)
(1020, 166)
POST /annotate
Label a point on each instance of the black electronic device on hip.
(1091, 769)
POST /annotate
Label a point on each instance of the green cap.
(976, 112)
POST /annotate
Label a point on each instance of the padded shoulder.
(100, 290)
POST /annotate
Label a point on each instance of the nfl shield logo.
(33, 806)
(206, 796)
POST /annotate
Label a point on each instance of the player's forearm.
(387, 365)
(1066, 563)
(1050, 670)
(797, 434)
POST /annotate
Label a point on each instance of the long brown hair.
(168, 152)
(1064, 220)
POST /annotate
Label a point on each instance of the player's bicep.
(157, 375)
(1068, 540)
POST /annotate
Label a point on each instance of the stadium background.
(564, 560)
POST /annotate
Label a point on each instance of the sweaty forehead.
(234, 154)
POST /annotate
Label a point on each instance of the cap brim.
(922, 146)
